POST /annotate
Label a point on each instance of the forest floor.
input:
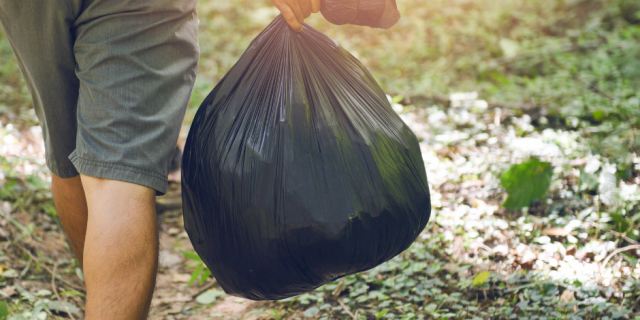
(475, 259)
(534, 179)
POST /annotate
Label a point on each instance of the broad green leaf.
(431, 307)
(209, 296)
(481, 278)
(4, 310)
(311, 312)
(598, 115)
(589, 179)
(525, 182)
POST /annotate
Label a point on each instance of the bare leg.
(71, 205)
(121, 249)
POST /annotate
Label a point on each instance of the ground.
(546, 263)
(527, 113)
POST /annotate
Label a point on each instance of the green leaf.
(311, 312)
(589, 179)
(276, 314)
(4, 310)
(598, 115)
(196, 273)
(80, 274)
(509, 47)
(525, 182)
(205, 275)
(431, 307)
(481, 278)
(382, 313)
(192, 256)
(75, 293)
(209, 296)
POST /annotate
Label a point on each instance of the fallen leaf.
(458, 247)
(175, 307)
(481, 278)
(168, 259)
(9, 291)
(180, 277)
(557, 232)
(567, 296)
(477, 203)
(450, 267)
(209, 296)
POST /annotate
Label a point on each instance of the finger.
(297, 11)
(305, 5)
(315, 6)
(290, 17)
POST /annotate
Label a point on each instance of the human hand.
(295, 11)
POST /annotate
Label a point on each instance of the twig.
(49, 270)
(623, 236)
(617, 234)
(606, 260)
(346, 309)
(209, 286)
(53, 284)
(593, 88)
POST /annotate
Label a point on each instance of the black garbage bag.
(296, 170)
(371, 13)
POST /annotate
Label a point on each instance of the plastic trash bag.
(372, 13)
(296, 170)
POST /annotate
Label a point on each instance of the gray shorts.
(110, 81)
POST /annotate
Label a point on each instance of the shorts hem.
(115, 171)
(64, 172)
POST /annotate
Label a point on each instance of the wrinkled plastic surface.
(296, 170)
(371, 13)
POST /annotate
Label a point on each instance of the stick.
(71, 285)
(53, 284)
(617, 234)
(606, 260)
(623, 236)
(346, 310)
(209, 286)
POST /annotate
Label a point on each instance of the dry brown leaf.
(556, 232)
(567, 296)
(9, 291)
(477, 203)
(180, 277)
